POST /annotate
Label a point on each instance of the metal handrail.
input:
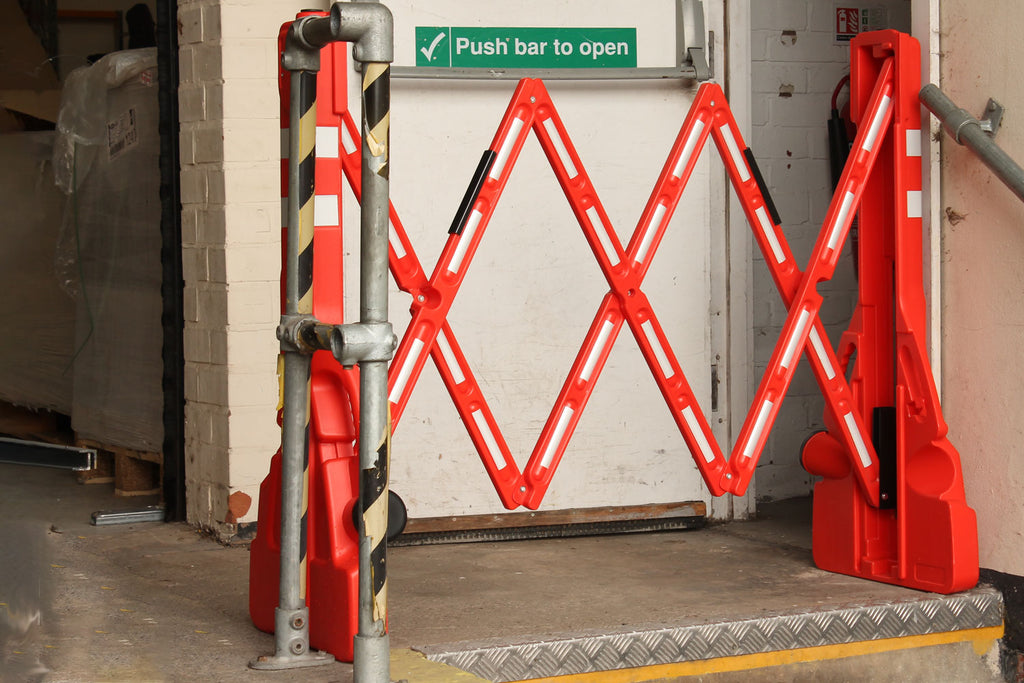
(968, 131)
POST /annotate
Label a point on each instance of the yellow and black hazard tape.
(307, 182)
(374, 500)
(377, 108)
(306, 82)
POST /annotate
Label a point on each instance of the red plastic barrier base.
(265, 551)
(929, 543)
(332, 592)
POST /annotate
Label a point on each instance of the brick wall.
(794, 67)
(231, 208)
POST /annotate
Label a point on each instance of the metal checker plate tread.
(585, 653)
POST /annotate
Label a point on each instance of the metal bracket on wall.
(992, 118)
(694, 63)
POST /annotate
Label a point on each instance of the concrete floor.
(160, 602)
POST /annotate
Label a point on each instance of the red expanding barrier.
(922, 534)
(531, 108)
(891, 504)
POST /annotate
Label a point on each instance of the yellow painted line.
(415, 668)
(982, 639)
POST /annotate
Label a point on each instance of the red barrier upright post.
(332, 565)
(922, 534)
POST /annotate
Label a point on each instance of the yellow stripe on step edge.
(982, 639)
(415, 668)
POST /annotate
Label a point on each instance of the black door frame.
(172, 281)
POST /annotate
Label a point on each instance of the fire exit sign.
(852, 18)
(525, 47)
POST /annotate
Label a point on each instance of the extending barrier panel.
(429, 333)
(446, 353)
(532, 109)
(923, 534)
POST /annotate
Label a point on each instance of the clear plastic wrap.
(106, 158)
(37, 318)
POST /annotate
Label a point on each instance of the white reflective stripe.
(650, 232)
(698, 434)
(489, 440)
(325, 210)
(464, 239)
(876, 124)
(819, 351)
(769, 232)
(691, 144)
(284, 212)
(791, 343)
(449, 358)
(913, 142)
(326, 142)
(393, 240)
(914, 201)
(734, 151)
(759, 424)
(285, 138)
(563, 153)
(403, 376)
(844, 211)
(506, 148)
(556, 437)
(347, 142)
(602, 234)
(858, 442)
(595, 352)
(659, 351)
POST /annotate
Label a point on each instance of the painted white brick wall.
(201, 149)
(794, 67)
(229, 137)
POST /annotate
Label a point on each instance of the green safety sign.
(508, 47)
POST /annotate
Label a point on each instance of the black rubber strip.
(472, 192)
(884, 434)
(759, 179)
(547, 531)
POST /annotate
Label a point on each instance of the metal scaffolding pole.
(291, 617)
(370, 342)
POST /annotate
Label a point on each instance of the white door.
(533, 287)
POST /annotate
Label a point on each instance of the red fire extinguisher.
(841, 132)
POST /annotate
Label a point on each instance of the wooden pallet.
(34, 425)
(134, 473)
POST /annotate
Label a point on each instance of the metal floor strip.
(575, 654)
(40, 454)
